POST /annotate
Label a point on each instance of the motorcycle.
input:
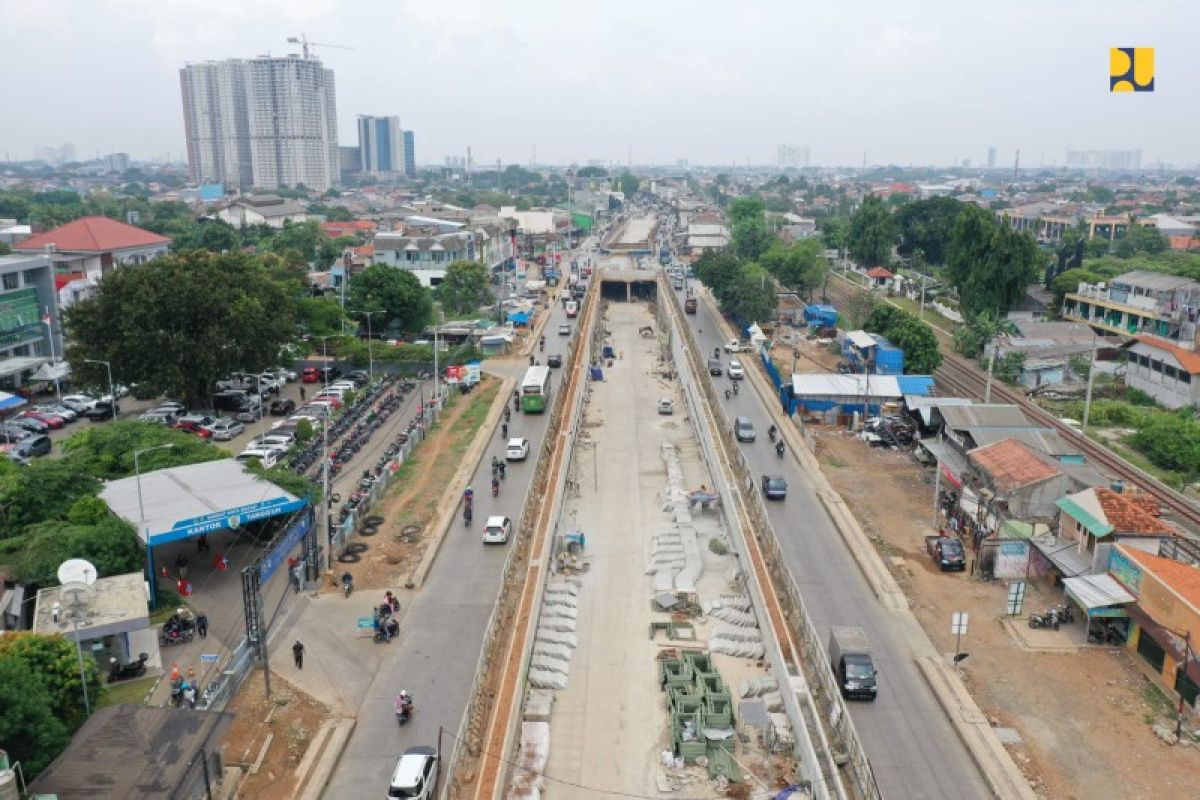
(495, 486)
(1044, 619)
(779, 448)
(348, 584)
(735, 388)
(404, 709)
(123, 672)
(467, 515)
(171, 636)
(771, 433)
(728, 394)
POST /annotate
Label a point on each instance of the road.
(913, 749)
(439, 646)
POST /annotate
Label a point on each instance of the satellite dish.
(77, 570)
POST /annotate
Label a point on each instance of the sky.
(922, 82)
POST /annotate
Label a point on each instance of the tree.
(1101, 194)
(465, 287)
(29, 731)
(629, 184)
(319, 316)
(111, 544)
(859, 308)
(404, 304)
(978, 331)
(52, 659)
(1142, 239)
(330, 250)
(990, 264)
(751, 295)
(1068, 281)
(717, 269)
(800, 266)
(106, 451)
(1008, 367)
(751, 238)
(44, 490)
(745, 209)
(872, 233)
(927, 225)
(179, 323)
(914, 337)
(835, 232)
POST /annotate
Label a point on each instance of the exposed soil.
(1084, 717)
(293, 719)
(408, 510)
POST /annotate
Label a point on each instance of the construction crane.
(304, 43)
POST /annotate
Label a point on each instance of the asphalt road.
(912, 747)
(439, 645)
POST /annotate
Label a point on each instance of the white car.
(517, 450)
(78, 402)
(158, 417)
(735, 370)
(277, 440)
(415, 776)
(267, 456)
(59, 410)
(666, 406)
(496, 530)
(734, 346)
(224, 430)
(564, 330)
(289, 374)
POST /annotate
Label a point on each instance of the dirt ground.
(291, 716)
(408, 509)
(1084, 717)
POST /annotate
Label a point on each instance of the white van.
(268, 456)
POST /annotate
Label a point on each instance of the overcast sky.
(918, 82)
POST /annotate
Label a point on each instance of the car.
(53, 420)
(774, 487)
(496, 530)
(29, 424)
(564, 330)
(734, 346)
(416, 774)
(158, 417)
(69, 415)
(360, 377)
(267, 456)
(310, 375)
(320, 408)
(516, 450)
(249, 414)
(666, 406)
(78, 402)
(329, 373)
(234, 400)
(286, 374)
(268, 380)
(194, 426)
(743, 429)
(736, 373)
(333, 399)
(12, 434)
(173, 406)
(224, 430)
(14, 456)
(282, 407)
(277, 439)
(37, 445)
(714, 367)
(554, 360)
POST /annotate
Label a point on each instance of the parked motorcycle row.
(355, 427)
(1053, 617)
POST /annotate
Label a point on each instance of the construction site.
(645, 627)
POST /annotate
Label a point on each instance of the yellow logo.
(1131, 69)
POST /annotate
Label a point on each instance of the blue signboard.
(271, 561)
(230, 519)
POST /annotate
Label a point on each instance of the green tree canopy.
(629, 184)
(914, 337)
(29, 730)
(319, 316)
(592, 172)
(800, 266)
(990, 264)
(746, 209)
(106, 451)
(872, 233)
(179, 323)
(465, 287)
(404, 304)
(53, 661)
(751, 238)
(1141, 239)
(46, 489)
(835, 232)
(717, 269)
(751, 295)
(927, 225)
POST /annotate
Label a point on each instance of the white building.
(1164, 370)
(261, 122)
(263, 209)
(427, 257)
(381, 145)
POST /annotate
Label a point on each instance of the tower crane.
(304, 43)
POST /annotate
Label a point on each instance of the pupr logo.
(1131, 69)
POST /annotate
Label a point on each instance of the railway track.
(962, 377)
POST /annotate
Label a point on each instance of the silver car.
(224, 430)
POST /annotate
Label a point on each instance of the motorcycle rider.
(468, 496)
(495, 486)
(779, 448)
(347, 582)
(771, 431)
(404, 703)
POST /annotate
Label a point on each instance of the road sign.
(958, 622)
(209, 658)
(1016, 597)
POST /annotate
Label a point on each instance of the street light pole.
(137, 472)
(112, 394)
(370, 337)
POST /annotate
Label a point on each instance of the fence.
(475, 715)
(828, 707)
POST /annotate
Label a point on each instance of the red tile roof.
(1183, 579)
(1184, 242)
(1188, 359)
(1012, 464)
(1130, 514)
(338, 228)
(92, 235)
(879, 272)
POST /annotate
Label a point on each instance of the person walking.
(181, 566)
(298, 654)
(301, 394)
(202, 625)
(504, 430)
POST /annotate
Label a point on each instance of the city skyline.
(904, 86)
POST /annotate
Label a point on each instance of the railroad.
(959, 376)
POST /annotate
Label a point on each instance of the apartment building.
(27, 300)
(1139, 302)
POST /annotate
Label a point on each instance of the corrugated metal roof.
(985, 416)
(1043, 441)
(1097, 591)
(811, 384)
(860, 339)
(1079, 506)
(915, 384)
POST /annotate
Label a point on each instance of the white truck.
(850, 657)
(734, 346)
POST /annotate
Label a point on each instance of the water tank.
(1117, 486)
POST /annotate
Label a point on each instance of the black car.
(36, 445)
(102, 411)
(329, 373)
(359, 377)
(714, 367)
(30, 424)
(774, 487)
(282, 407)
(554, 360)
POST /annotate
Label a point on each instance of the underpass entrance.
(627, 286)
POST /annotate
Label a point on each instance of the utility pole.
(987, 392)
(1087, 400)
(1187, 649)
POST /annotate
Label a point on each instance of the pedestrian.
(202, 543)
(181, 566)
(202, 625)
(301, 394)
(298, 654)
(504, 430)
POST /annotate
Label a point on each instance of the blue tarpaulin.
(519, 317)
(8, 401)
